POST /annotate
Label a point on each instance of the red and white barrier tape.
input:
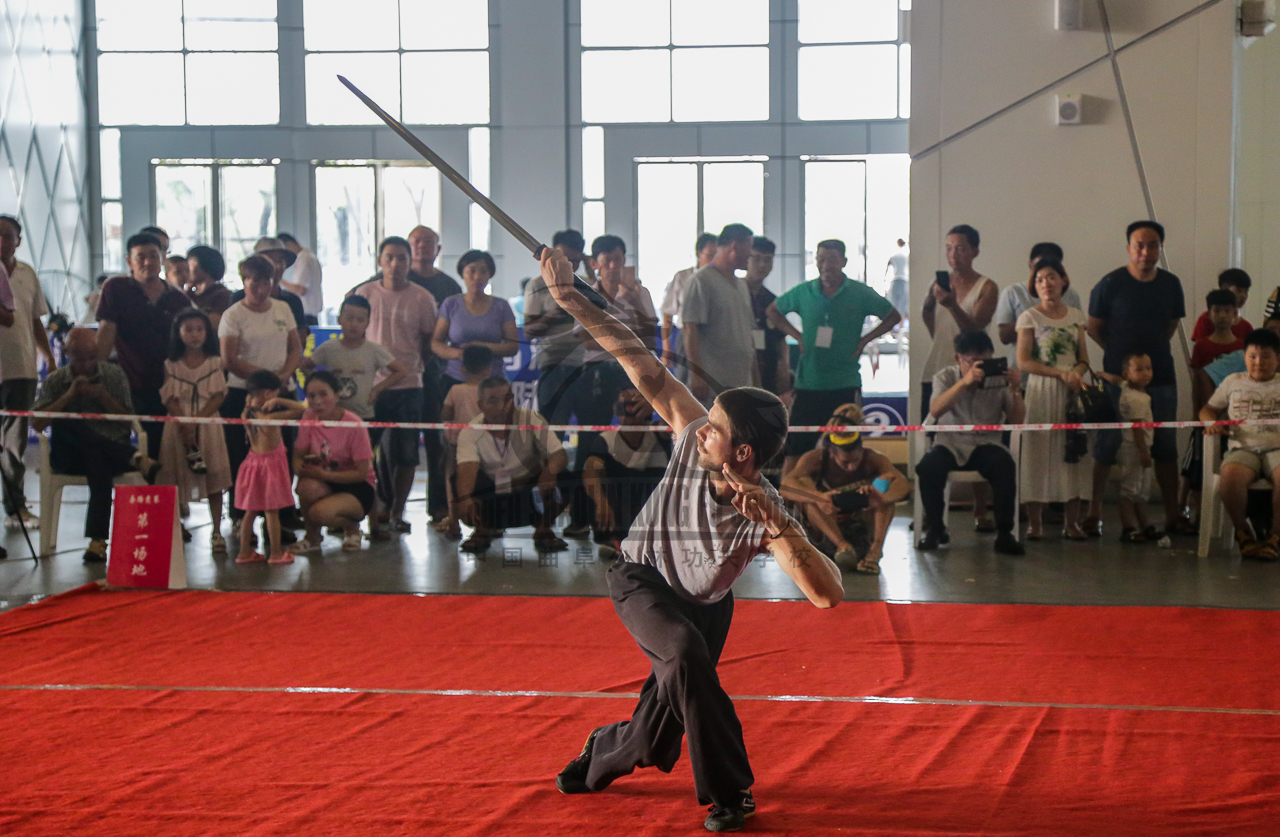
(436, 425)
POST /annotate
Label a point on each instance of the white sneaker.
(32, 522)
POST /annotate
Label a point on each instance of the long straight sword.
(506, 221)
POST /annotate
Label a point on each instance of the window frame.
(903, 40)
(215, 167)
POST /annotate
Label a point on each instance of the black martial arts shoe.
(731, 817)
(934, 538)
(573, 779)
(1007, 544)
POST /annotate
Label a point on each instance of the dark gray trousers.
(15, 394)
(682, 695)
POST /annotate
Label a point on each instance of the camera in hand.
(993, 369)
(848, 502)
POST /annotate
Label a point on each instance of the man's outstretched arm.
(669, 397)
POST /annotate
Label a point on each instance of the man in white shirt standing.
(306, 280)
(20, 341)
(673, 299)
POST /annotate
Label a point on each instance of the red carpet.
(228, 760)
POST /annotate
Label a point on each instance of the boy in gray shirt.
(355, 360)
(964, 395)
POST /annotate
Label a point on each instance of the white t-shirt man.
(673, 299)
(519, 458)
(18, 342)
(307, 273)
(401, 321)
(264, 336)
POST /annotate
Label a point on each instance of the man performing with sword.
(706, 520)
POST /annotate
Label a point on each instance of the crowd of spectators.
(415, 345)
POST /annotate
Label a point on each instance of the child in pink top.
(461, 405)
(263, 483)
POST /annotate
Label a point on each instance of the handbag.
(1096, 403)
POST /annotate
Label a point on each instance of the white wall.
(1021, 179)
(1258, 169)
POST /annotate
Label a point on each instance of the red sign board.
(146, 544)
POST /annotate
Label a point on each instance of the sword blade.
(520, 233)
(506, 221)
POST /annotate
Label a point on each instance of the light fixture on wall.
(1068, 14)
(1257, 17)
(1070, 108)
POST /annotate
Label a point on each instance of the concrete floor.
(1096, 572)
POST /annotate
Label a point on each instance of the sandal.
(217, 543)
(1268, 550)
(1077, 535)
(1152, 533)
(1092, 527)
(1035, 534)
(282, 557)
(251, 558)
(1131, 535)
(352, 541)
(475, 544)
(302, 547)
(868, 567)
(986, 523)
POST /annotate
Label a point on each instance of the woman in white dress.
(1053, 355)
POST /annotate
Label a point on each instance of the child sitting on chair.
(1254, 449)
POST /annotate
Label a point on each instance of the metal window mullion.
(215, 206)
(379, 204)
(702, 219)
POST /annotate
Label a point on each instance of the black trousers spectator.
(682, 696)
(992, 462)
(15, 394)
(73, 449)
(434, 389)
(147, 402)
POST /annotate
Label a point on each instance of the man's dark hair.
(607, 244)
(734, 233)
(177, 348)
(969, 233)
(1263, 338)
(763, 245)
(287, 238)
(356, 301)
(473, 256)
(757, 418)
(1046, 250)
(262, 379)
(17, 225)
(973, 343)
(477, 358)
(832, 244)
(142, 239)
(569, 238)
(1234, 277)
(705, 239)
(1221, 296)
(154, 230)
(395, 241)
(176, 258)
(326, 377)
(1144, 225)
(492, 382)
(210, 261)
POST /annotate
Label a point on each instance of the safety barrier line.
(437, 425)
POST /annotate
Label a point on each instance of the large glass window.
(835, 206)
(228, 204)
(192, 62)
(858, 66)
(704, 47)
(397, 52)
(678, 198)
(360, 203)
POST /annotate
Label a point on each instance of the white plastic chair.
(920, 446)
(1212, 514)
(51, 485)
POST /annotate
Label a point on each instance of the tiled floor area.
(1053, 571)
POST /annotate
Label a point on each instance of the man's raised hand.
(556, 272)
(752, 503)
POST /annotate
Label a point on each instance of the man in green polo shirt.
(832, 309)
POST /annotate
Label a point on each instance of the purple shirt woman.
(474, 317)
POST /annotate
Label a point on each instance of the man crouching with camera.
(979, 389)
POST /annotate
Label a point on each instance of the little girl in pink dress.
(264, 483)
